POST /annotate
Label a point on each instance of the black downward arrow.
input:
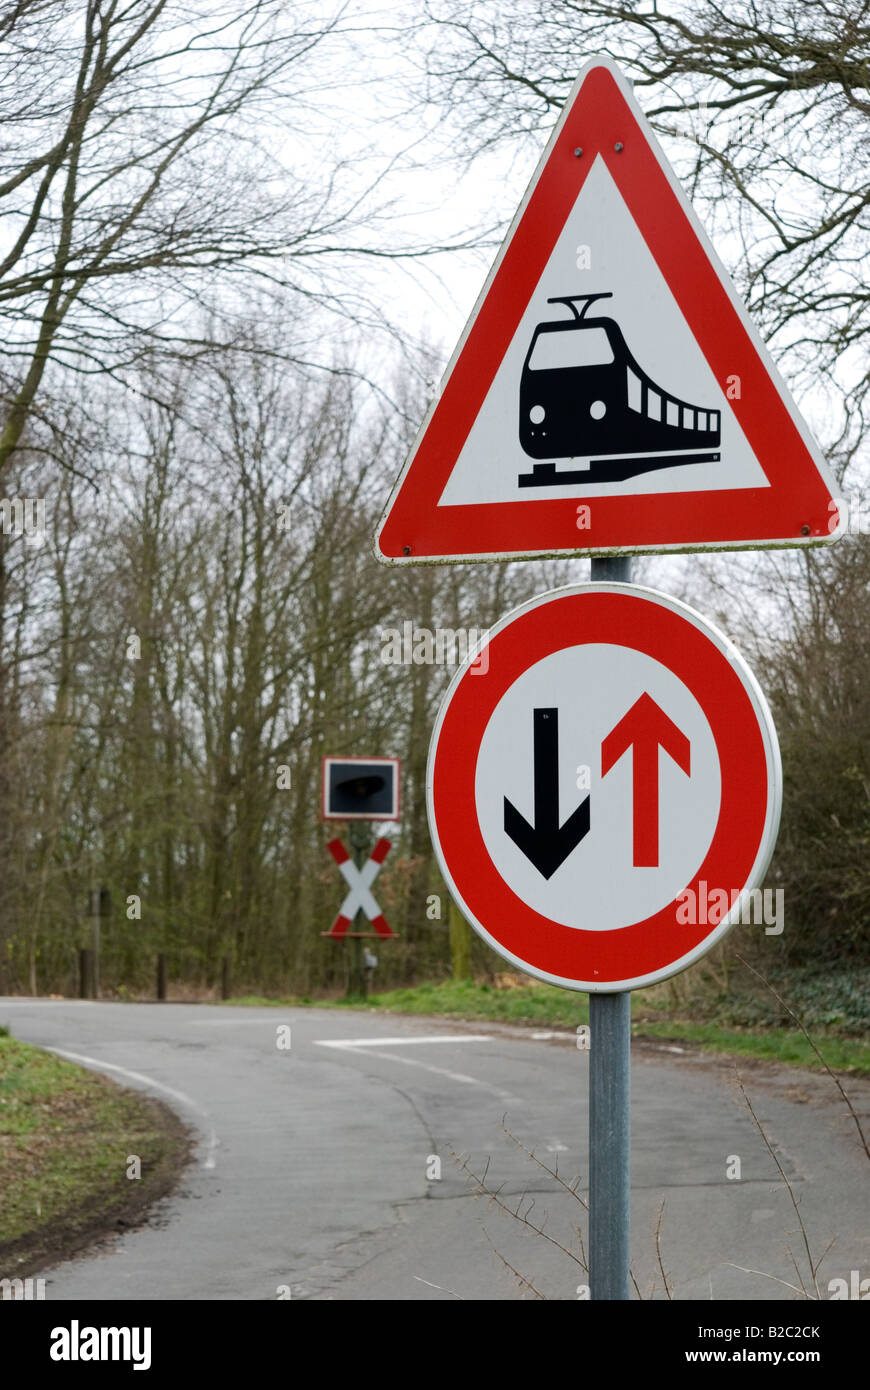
(546, 843)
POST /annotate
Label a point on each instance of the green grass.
(461, 999)
(547, 1006)
(65, 1136)
(774, 1044)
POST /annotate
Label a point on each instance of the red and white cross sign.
(360, 882)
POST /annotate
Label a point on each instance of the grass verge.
(547, 1006)
(66, 1138)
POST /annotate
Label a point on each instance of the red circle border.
(646, 625)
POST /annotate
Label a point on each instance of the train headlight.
(598, 410)
(536, 414)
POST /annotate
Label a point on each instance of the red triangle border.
(795, 509)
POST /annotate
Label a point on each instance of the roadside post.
(361, 839)
(99, 906)
(95, 937)
(86, 973)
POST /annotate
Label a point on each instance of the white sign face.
(604, 794)
(600, 250)
(590, 690)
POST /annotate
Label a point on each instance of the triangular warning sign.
(609, 391)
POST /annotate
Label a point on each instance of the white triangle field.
(600, 250)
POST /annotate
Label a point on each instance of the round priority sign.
(604, 787)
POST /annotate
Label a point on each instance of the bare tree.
(763, 107)
(153, 152)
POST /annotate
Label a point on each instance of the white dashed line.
(402, 1042)
(351, 1045)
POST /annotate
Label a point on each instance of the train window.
(688, 418)
(673, 413)
(634, 390)
(714, 420)
(702, 419)
(570, 347)
(653, 404)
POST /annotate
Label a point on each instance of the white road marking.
(451, 1075)
(460, 1076)
(401, 1042)
(99, 1065)
(260, 1021)
(6, 1002)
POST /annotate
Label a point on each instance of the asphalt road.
(314, 1175)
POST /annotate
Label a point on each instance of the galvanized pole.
(609, 1097)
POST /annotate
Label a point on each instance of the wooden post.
(161, 976)
(86, 977)
(95, 953)
(460, 942)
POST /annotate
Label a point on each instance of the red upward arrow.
(645, 728)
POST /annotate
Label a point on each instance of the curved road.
(315, 1175)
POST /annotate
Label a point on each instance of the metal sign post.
(360, 836)
(609, 1145)
(610, 1104)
